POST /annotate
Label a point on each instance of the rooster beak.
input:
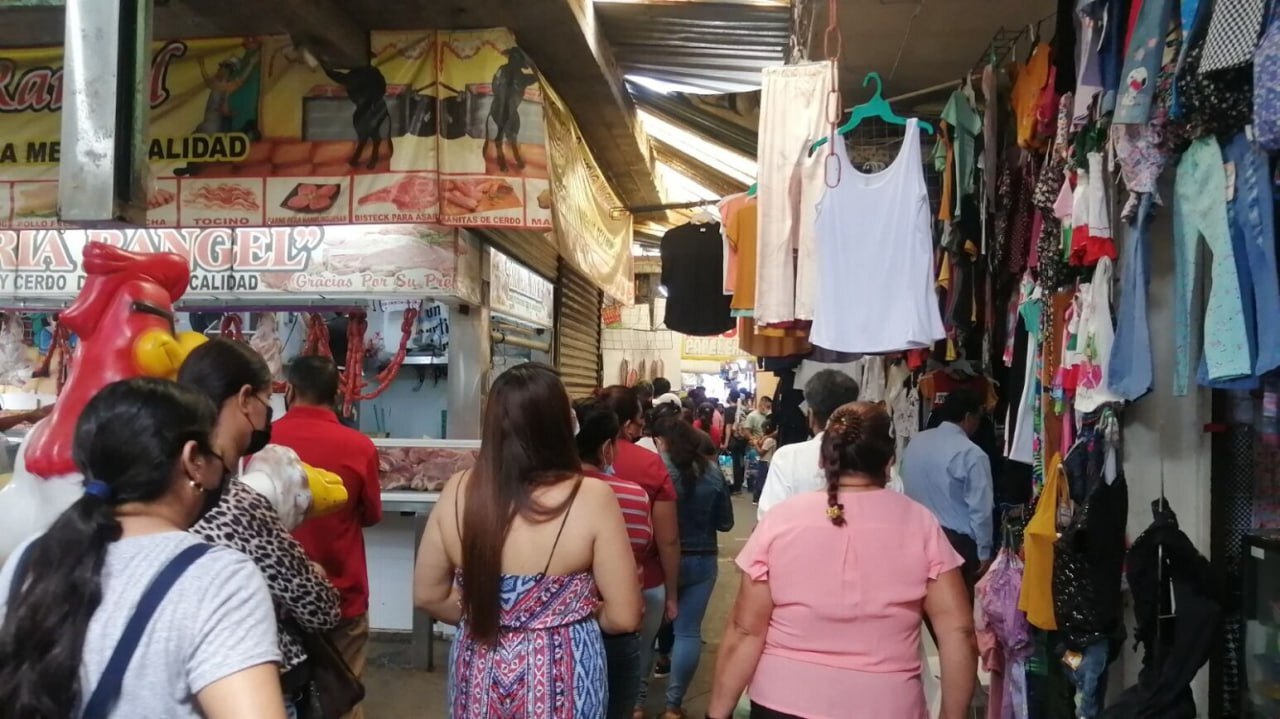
(328, 493)
(160, 354)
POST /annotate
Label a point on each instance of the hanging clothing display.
(740, 227)
(1266, 84)
(728, 208)
(1094, 342)
(1008, 260)
(1042, 531)
(875, 227)
(1201, 212)
(694, 306)
(793, 101)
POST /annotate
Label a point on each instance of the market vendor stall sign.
(718, 348)
(444, 128)
(518, 292)
(260, 262)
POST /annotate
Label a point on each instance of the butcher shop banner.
(592, 235)
(444, 128)
(357, 261)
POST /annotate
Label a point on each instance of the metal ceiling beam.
(679, 111)
(330, 33)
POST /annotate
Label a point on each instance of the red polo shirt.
(336, 541)
(645, 468)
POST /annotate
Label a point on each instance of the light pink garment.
(844, 637)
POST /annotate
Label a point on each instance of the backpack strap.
(19, 576)
(107, 692)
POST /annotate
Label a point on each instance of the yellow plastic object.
(160, 354)
(188, 341)
(328, 493)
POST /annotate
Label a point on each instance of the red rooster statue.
(124, 320)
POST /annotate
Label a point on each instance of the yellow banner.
(445, 127)
(590, 236)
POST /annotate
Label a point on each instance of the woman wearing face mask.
(208, 650)
(238, 381)
(661, 564)
(597, 448)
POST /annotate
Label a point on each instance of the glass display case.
(1262, 624)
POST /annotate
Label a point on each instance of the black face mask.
(259, 438)
(211, 497)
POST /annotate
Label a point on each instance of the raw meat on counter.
(424, 469)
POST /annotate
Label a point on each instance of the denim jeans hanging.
(1131, 364)
(1251, 214)
(1200, 210)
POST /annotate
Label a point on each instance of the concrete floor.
(397, 693)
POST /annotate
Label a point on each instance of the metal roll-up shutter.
(577, 332)
(534, 250)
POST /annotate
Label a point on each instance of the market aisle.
(398, 693)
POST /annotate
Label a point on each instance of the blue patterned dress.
(548, 662)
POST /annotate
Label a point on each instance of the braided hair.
(858, 440)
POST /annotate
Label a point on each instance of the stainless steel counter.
(419, 505)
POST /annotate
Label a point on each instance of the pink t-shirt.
(848, 601)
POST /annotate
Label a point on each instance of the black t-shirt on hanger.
(692, 266)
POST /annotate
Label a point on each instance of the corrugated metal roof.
(713, 47)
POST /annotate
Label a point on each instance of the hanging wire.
(834, 103)
(906, 37)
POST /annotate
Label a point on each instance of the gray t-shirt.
(217, 620)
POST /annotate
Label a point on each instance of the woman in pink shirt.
(828, 614)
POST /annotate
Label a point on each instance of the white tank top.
(876, 277)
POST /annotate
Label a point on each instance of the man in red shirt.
(335, 541)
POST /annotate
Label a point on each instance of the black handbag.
(325, 686)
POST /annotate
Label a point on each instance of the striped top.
(635, 511)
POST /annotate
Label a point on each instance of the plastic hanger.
(751, 191)
(877, 106)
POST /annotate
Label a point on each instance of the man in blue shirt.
(950, 475)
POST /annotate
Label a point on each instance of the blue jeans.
(655, 609)
(1200, 210)
(1091, 680)
(622, 655)
(762, 473)
(1253, 239)
(1130, 374)
(697, 581)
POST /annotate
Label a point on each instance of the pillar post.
(469, 364)
(105, 111)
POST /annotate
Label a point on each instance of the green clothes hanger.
(876, 107)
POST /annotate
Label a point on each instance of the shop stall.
(1069, 177)
(347, 212)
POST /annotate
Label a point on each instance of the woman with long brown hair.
(835, 583)
(531, 560)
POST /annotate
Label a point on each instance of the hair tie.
(98, 488)
(835, 512)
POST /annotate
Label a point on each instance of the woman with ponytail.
(118, 611)
(835, 585)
